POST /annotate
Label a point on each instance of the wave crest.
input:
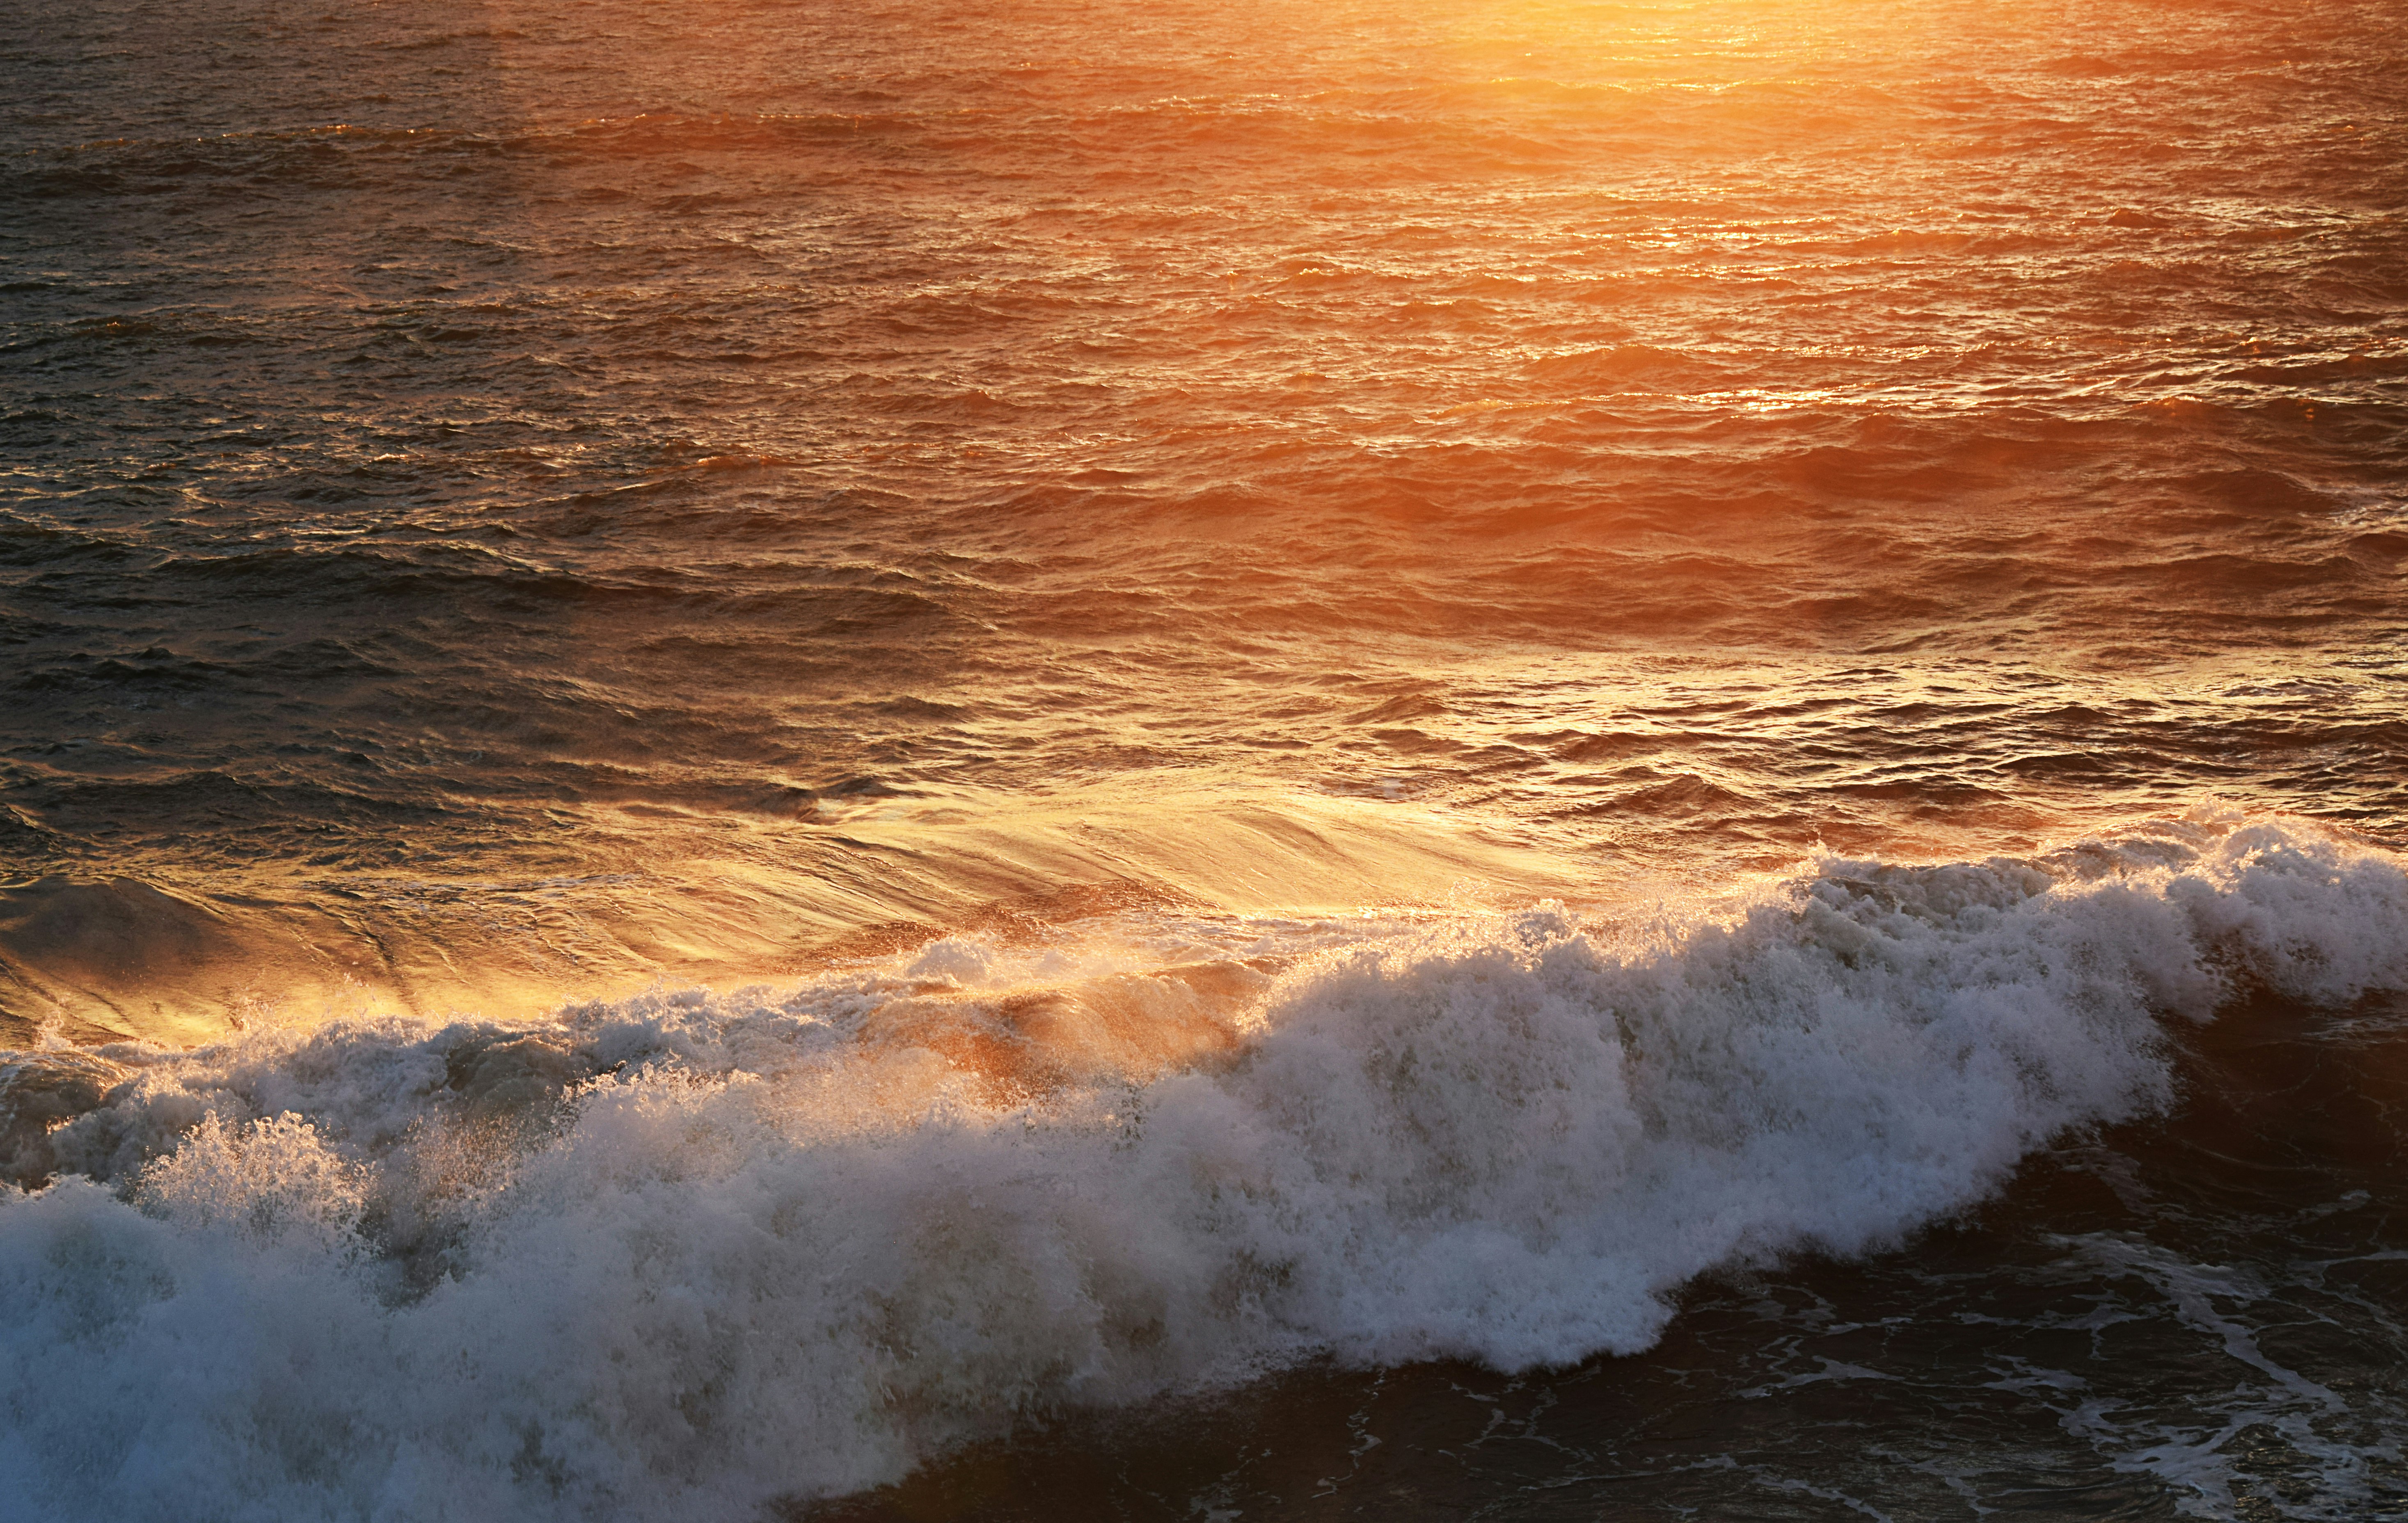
(693, 1250)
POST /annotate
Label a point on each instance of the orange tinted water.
(1039, 530)
(509, 500)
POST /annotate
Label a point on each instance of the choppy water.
(1096, 563)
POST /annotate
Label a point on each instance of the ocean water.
(781, 761)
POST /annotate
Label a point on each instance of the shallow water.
(1031, 540)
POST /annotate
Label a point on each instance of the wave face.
(687, 1254)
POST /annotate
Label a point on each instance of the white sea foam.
(670, 1256)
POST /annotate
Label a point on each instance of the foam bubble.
(672, 1256)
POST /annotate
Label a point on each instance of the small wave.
(685, 1253)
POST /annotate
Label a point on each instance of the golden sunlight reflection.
(826, 762)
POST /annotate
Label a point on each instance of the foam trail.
(672, 1256)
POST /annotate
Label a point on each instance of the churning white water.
(671, 1257)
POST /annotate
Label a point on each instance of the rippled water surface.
(1041, 536)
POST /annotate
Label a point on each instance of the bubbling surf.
(687, 1254)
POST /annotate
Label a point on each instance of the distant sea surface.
(788, 761)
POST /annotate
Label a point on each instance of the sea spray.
(671, 1257)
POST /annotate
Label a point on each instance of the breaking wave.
(678, 1256)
